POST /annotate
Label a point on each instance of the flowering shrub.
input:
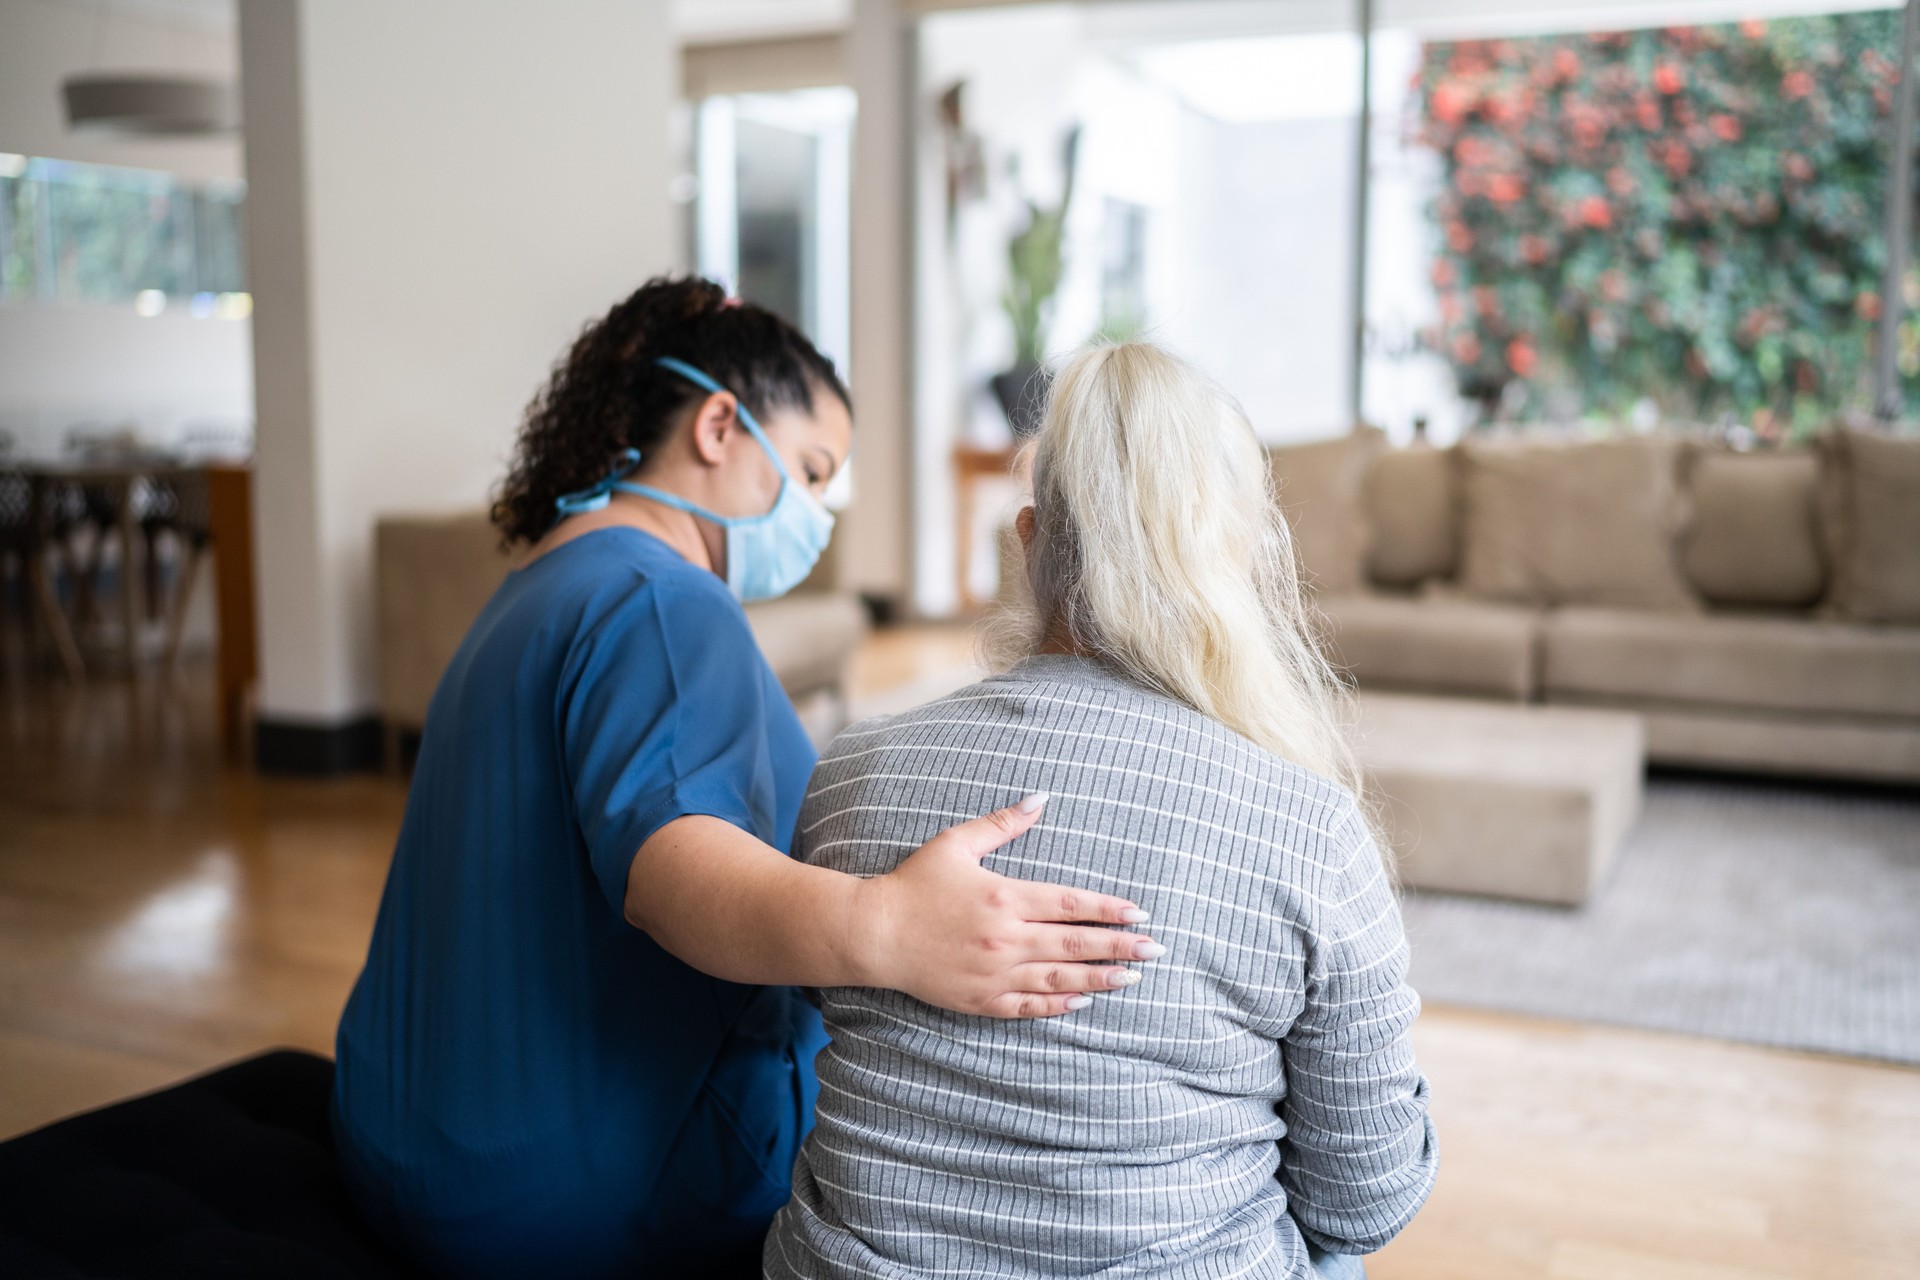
(1690, 214)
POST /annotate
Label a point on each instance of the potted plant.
(1035, 263)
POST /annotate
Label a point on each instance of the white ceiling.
(701, 21)
(204, 13)
(1141, 22)
(716, 21)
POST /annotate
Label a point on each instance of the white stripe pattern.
(1153, 1134)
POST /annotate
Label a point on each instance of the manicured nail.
(1122, 978)
(1034, 803)
(1134, 915)
(1079, 1002)
(1148, 950)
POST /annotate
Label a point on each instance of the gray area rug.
(1746, 910)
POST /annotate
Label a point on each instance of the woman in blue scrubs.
(577, 1048)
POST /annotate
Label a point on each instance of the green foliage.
(1036, 261)
(96, 233)
(1690, 214)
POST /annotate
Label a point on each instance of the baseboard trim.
(309, 749)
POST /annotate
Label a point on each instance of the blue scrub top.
(527, 1084)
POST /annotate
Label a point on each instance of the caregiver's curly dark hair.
(608, 395)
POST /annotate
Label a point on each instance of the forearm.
(735, 907)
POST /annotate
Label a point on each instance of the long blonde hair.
(1159, 548)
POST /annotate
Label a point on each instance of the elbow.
(1367, 1223)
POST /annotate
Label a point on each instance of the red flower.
(1566, 63)
(1459, 239)
(1620, 182)
(1646, 111)
(1466, 348)
(1594, 212)
(1521, 357)
(1725, 127)
(1677, 159)
(1451, 102)
(1797, 84)
(1486, 301)
(1473, 152)
(1443, 273)
(1867, 306)
(1533, 249)
(1753, 28)
(1796, 166)
(1613, 286)
(1667, 79)
(1505, 188)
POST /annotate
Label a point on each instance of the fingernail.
(1148, 950)
(1122, 978)
(1134, 915)
(1034, 802)
(1079, 1002)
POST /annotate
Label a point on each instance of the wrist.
(866, 930)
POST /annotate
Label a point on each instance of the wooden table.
(973, 463)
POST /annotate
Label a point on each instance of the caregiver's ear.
(714, 420)
(1023, 525)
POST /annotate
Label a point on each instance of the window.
(773, 203)
(91, 233)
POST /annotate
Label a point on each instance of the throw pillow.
(1319, 487)
(1410, 497)
(1582, 522)
(1755, 536)
(1871, 498)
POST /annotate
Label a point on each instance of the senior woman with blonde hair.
(1252, 1109)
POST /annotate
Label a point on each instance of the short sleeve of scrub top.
(665, 718)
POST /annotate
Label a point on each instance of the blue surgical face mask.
(767, 555)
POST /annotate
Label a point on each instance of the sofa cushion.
(1434, 645)
(433, 575)
(1762, 663)
(1319, 488)
(1411, 501)
(1573, 522)
(1754, 538)
(1871, 510)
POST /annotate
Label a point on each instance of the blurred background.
(1581, 335)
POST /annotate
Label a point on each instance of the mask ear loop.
(598, 494)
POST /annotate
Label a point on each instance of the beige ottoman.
(1502, 799)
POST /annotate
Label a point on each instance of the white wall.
(85, 365)
(876, 534)
(443, 193)
(65, 366)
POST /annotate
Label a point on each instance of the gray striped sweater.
(1254, 1092)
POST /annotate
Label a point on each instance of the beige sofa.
(1760, 610)
(435, 573)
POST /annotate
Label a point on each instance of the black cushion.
(228, 1175)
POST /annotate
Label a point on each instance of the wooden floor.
(160, 914)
